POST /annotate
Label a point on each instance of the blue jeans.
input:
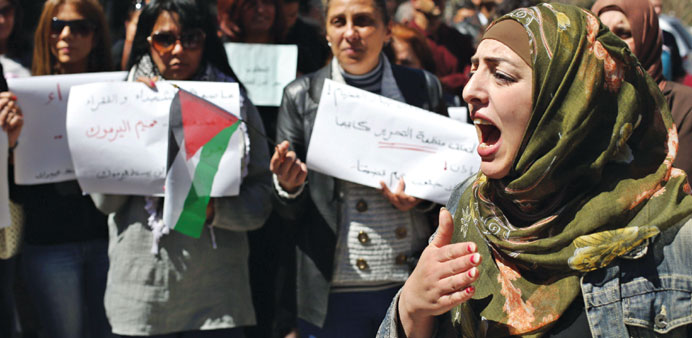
(351, 315)
(66, 283)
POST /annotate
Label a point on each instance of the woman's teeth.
(481, 122)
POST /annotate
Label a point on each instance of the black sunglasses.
(165, 42)
(77, 27)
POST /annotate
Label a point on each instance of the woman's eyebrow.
(493, 60)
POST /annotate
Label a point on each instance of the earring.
(329, 43)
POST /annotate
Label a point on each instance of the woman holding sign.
(577, 223)
(65, 258)
(168, 284)
(343, 294)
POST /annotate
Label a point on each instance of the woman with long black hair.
(188, 287)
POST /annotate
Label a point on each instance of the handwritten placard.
(263, 69)
(5, 219)
(42, 155)
(366, 138)
(460, 114)
(118, 136)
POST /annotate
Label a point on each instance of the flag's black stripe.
(175, 130)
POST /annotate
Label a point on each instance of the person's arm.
(398, 198)
(11, 118)
(250, 209)
(391, 325)
(289, 169)
(441, 280)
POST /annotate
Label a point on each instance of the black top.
(58, 213)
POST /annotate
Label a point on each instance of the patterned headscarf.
(592, 182)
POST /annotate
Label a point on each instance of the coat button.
(363, 237)
(361, 206)
(401, 259)
(361, 264)
(660, 321)
(401, 232)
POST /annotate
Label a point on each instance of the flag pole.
(259, 132)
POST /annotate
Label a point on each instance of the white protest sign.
(5, 219)
(118, 136)
(263, 69)
(366, 138)
(42, 155)
(458, 113)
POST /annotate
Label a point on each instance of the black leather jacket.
(316, 210)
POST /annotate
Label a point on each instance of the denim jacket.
(649, 296)
(646, 294)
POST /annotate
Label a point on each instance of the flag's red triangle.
(202, 120)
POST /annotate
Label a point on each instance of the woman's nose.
(177, 47)
(351, 32)
(65, 32)
(474, 90)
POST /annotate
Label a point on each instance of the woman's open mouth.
(490, 137)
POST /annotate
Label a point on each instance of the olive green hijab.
(593, 180)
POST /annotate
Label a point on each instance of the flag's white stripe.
(178, 184)
(228, 177)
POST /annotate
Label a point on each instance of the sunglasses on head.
(77, 27)
(165, 42)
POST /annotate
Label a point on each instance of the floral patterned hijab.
(593, 180)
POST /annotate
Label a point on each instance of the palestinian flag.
(199, 133)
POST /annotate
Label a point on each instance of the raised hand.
(149, 81)
(441, 280)
(11, 118)
(398, 197)
(289, 169)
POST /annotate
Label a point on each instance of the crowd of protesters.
(297, 253)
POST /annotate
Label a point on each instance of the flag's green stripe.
(194, 211)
